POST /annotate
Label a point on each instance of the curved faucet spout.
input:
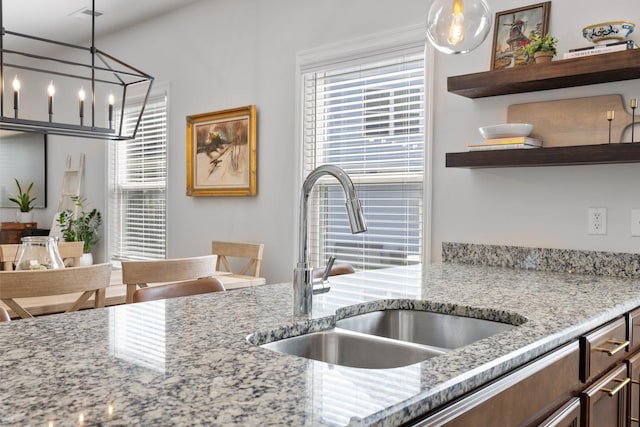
(354, 210)
(303, 274)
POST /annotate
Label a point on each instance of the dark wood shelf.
(552, 156)
(604, 68)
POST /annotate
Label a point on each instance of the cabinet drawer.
(605, 402)
(603, 348)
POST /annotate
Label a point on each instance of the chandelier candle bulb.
(81, 96)
(51, 91)
(16, 95)
(112, 101)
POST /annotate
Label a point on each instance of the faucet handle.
(328, 268)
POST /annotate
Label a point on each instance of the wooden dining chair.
(336, 270)
(250, 252)
(139, 274)
(4, 315)
(90, 281)
(180, 289)
(8, 256)
(70, 252)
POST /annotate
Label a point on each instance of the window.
(367, 118)
(138, 186)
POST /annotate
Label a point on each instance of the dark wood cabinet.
(524, 397)
(593, 381)
(15, 236)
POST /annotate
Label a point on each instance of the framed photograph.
(221, 153)
(513, 30)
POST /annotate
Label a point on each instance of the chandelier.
(59, 88)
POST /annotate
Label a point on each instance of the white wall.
(230, 53)
(539, 206)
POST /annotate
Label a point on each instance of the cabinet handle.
(634, 420)
(620, 345)
(613, 391)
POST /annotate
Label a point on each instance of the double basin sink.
(388, 338)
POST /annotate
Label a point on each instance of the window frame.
(389, 44)
(156, 93)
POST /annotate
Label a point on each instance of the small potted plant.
(81, 228)
(24, 202)
(542, 49)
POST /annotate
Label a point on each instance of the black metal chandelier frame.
(121, 75)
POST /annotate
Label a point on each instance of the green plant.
(24, 200)
(538, 44)
(81, 228)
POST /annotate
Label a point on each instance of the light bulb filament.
(456, 30)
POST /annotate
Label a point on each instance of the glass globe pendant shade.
(458, 26)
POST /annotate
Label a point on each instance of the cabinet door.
(634, 390)
(567, 416)
(523, 397)
(605, 402)
(634, 333)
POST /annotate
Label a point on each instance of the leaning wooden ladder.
(71, 185)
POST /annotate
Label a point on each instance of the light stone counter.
(187, 362)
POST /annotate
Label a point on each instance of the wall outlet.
(635, 222)
(597, 220)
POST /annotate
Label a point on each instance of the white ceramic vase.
(24, 216)
(86, 259)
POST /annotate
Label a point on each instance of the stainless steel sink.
(440, 330)
(388, 338)
(342, 347)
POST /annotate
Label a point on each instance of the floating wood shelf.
(552, 156)
(604, 68)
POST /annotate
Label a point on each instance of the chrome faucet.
(304, 285)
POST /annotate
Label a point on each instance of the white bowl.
(608, 31)
(506, 130)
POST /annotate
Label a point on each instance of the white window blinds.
(369, 120)
(138, 190)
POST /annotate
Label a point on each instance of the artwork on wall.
(221, 153)
(23, 156)
(513, 30)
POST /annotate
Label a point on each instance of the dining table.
(115, 293)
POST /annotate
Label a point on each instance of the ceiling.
(52, 18)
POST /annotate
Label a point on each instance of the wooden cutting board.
(575, 121)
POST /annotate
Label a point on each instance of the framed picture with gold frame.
(221, 153)
(513, 31)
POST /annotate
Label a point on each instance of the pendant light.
(458, 26)
(34, 71)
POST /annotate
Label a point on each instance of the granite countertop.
(187, 361)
